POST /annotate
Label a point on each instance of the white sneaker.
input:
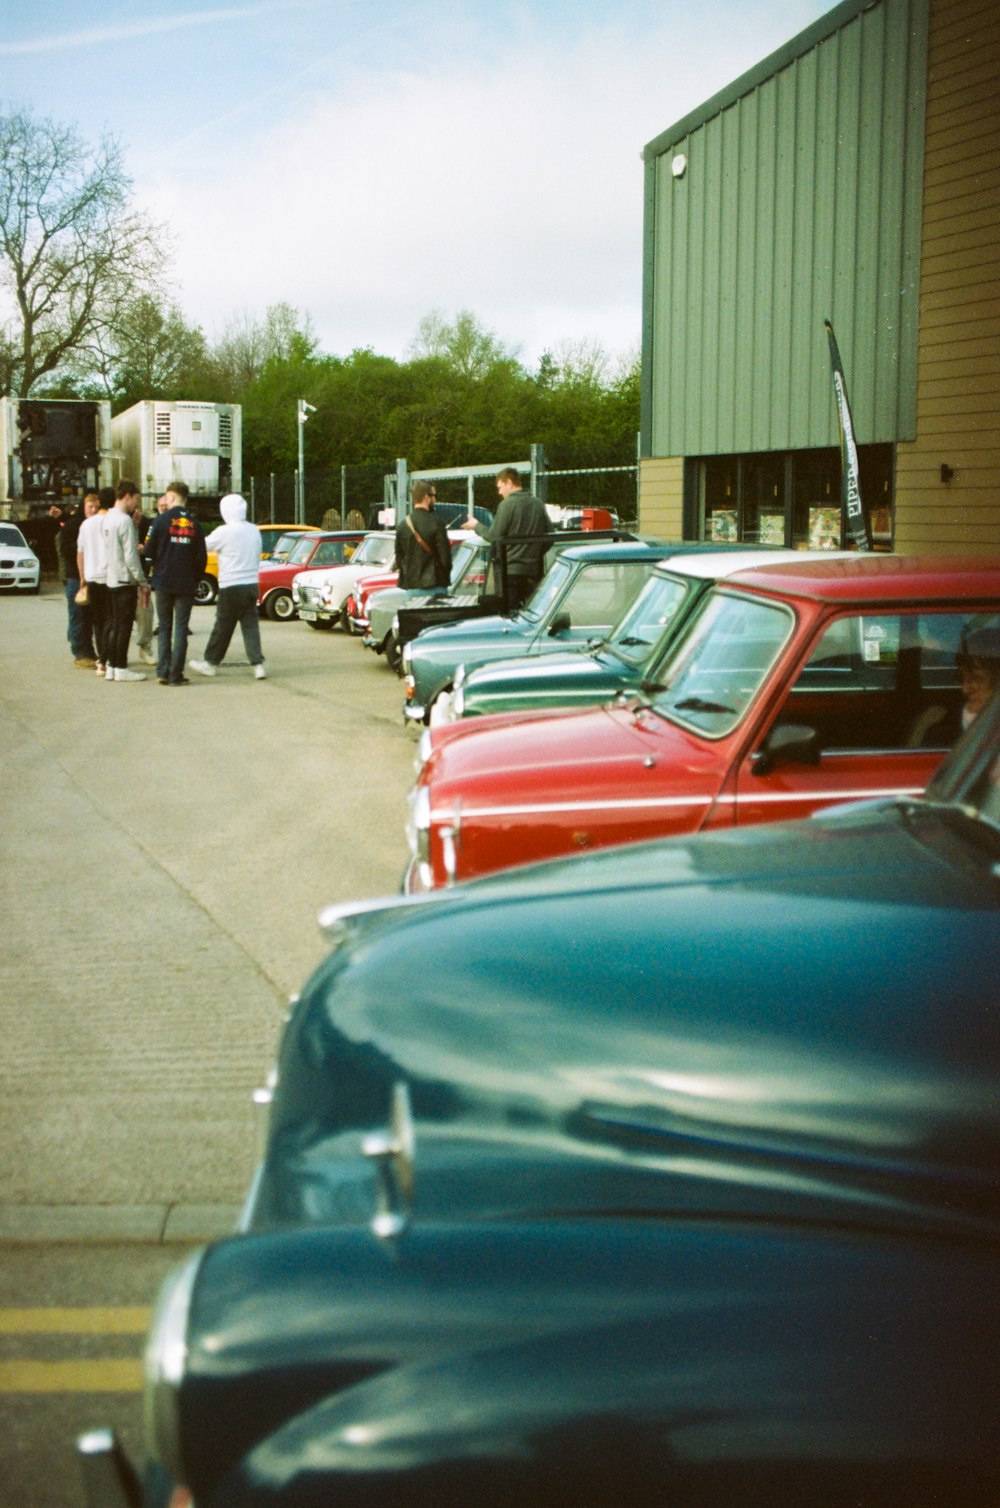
(146, 657)
(129, 675)
(203, 667)
(260, 674)
(109, 672)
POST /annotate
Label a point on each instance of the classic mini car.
(319, 596)
(668, 1175)
(584, 591)
(628, 659)
(20, 568)
(794, 686)
(487, 598)
(469, 562)
(312, 551)
(356, 606)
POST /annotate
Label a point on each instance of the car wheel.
(280, 607)
(206, 591)
(345, 620)
(393, 653)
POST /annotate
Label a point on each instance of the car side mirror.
(560, 623)
(794, 742)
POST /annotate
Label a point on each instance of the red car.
(274, 588)
(796, 687)
(355, 613)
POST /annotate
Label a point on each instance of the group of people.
(423, 550)
(114, 563)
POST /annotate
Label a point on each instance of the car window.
(11, 536)
(722, 662)
(644, 623)
(602, 591)
(283, 545)
(548, 591)
(301, 550)
(328, 552)
(375, 549)
(887, 681)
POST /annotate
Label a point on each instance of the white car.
(20, 568)
(320, 596)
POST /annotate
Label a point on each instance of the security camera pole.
(305, 409)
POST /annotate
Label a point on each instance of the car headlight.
(407, 659)
(418, 823)
(395, 624)
(165, 1362)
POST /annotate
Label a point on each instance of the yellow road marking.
(134, 1320)
(117, 1376)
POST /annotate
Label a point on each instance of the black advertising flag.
(850, 481)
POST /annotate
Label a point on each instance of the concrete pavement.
(166, 851)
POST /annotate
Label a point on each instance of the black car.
(664, 1176)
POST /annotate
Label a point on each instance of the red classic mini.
(796, 687)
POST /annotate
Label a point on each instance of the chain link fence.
(351, 496)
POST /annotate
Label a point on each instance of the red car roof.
(859, 578)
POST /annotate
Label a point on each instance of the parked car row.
(668, 1170)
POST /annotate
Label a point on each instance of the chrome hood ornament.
(393, 1153)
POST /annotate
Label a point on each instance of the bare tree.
(73, 251)
(247, 343)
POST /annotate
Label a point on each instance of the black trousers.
(123, 601)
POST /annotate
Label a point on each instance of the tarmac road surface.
(165, 853)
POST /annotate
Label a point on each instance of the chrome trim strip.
(640, 803)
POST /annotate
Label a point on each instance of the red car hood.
(581, 755)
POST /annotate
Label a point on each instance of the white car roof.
(717, 565)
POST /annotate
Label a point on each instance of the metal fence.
(352, 495)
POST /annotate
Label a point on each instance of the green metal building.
(854, 175)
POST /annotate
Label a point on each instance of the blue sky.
(369, 162)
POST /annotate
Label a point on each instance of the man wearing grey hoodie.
(238, 546)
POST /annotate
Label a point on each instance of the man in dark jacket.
(175, 548)
(423, 550)
(522, 520)
(79, 630)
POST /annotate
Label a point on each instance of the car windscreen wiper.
(699, 704)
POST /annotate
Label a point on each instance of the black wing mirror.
(793, 742)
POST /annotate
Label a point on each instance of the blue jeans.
(235, 604)
(173, 611)
(78, 630)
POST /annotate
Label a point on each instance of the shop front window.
(792, 497)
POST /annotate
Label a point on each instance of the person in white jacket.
(238, 546)
(126, 579)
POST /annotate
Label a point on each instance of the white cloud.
(507, 182)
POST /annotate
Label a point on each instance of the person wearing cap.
(238, 546)
(175, 551)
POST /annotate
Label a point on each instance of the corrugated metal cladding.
(801, 200)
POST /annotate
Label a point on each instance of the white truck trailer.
(51, 449)
(156, 443)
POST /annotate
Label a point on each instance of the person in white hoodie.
(238, 546)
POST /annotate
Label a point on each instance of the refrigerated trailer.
(51, 449)
(156, 443)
